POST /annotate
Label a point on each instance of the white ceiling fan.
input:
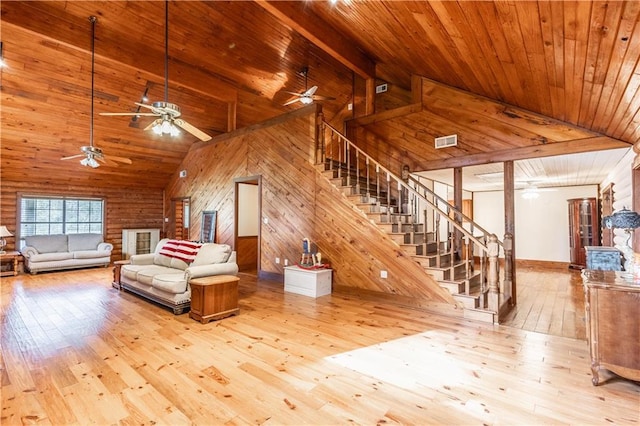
(308, 96)
(93, 155)
(168, 114)
(531, 191)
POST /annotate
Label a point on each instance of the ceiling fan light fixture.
(3, 63)
(306, 100)
(90, 161)
(530, 193)
(165, 127)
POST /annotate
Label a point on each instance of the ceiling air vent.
(446, 141)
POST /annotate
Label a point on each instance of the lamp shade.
(4, 232)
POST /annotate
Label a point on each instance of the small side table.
(11, 257)
(214, 297)
(116, 272)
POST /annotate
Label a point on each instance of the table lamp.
(4, 232)
(629, 221)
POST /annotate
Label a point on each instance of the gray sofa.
(164, 278)
(56, 252)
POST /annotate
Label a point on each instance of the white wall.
(247, 210)
(541, 225)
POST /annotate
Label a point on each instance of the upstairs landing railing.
(456, 236)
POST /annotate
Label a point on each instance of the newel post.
(493, 249)
(508, 266)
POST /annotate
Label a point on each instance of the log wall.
(125, 208)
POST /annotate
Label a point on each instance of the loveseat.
(56, 252)
(163, 276)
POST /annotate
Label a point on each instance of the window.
(60, 215)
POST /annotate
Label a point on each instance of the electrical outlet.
(277, 260)
(286, 262)
(350, 107)
(383, 274)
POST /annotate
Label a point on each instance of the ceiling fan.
(308, 96)
(532, 191)
(168, 114)
(92, 154)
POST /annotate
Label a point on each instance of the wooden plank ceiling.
(574, 61)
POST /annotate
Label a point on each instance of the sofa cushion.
(48, 243)
(212, 253)
(171, 283)
(178, 264)
(80, 242)
(88, 254)
(48, 257)
(145, 275)
(131, 271)
(162, 260)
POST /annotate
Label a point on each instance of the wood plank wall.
(297, 203)
(125, 207)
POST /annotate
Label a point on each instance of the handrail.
(462, 216)
(402, 184)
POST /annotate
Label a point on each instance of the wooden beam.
(232, 110)
(370, 96)
(597, 143)
(416, 89)
(386, 115)
(290, 14)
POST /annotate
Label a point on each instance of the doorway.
(248, 202)
(180, 218)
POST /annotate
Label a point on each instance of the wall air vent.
(381, 88)
(446, 141)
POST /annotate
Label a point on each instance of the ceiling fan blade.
(119, 159)
(71, 157)
(146, 114)
(322, 98)
(290, 101)
(191, 129)
(310, 91)
(145, 106)
(294, 93)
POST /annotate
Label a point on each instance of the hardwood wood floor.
(77, 351)
(550, 302)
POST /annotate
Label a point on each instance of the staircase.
(459, 254)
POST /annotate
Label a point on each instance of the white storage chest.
(308, 282)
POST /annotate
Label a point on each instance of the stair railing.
(355, 168)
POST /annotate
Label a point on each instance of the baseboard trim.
(271, 276)
(541, 264)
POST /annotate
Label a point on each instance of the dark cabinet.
(584, 229)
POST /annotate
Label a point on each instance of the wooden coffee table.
(214, 298)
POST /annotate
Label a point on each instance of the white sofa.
(163, 276)
(56, 252)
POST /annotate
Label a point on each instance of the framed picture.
(208, 230)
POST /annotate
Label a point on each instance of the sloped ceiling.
(575, 61)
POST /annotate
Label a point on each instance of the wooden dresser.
(613, 323)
